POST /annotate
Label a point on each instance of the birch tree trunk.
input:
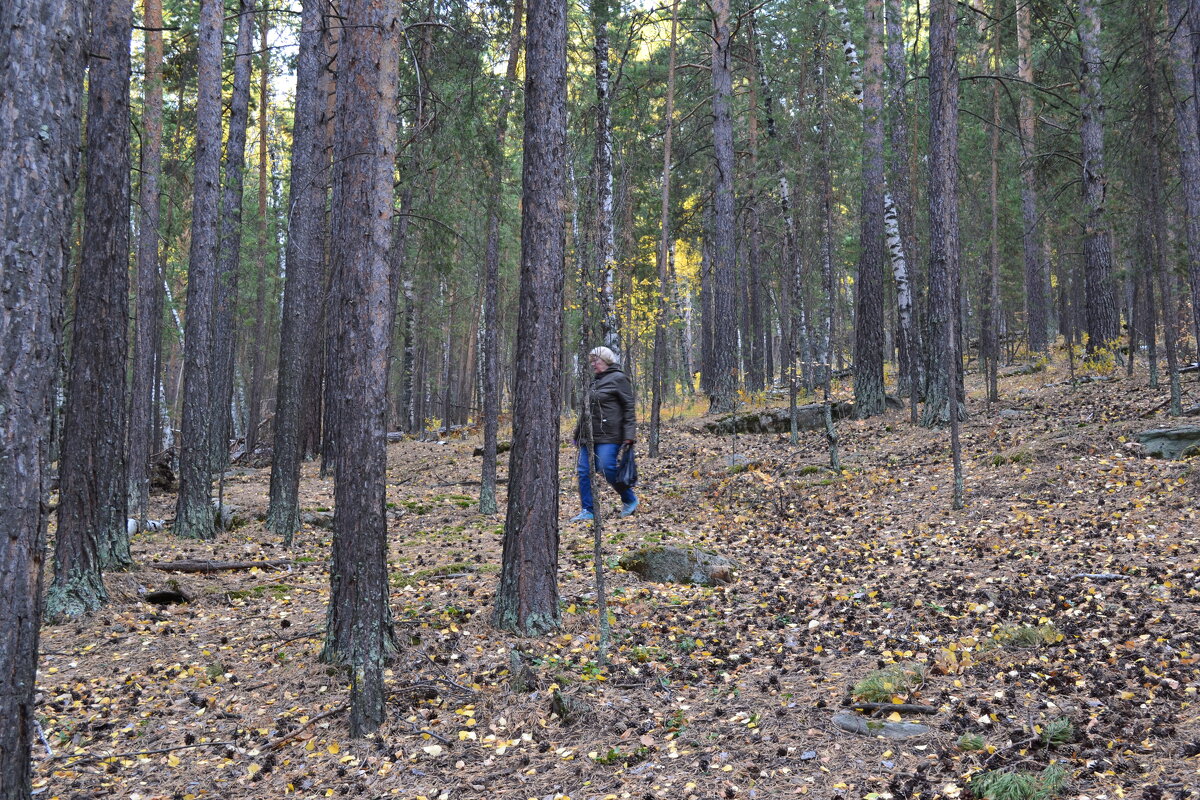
(359, 633)
(302, 284)
(900, 226)
(724, 380)
(224, 328)
(1103, 323)
(606, 246)
(527, 597)
(148, 316)
(193, 511)
(41, 70)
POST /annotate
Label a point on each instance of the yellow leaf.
(334, 748)
(895, 717)
(253, 768)
(173, 760)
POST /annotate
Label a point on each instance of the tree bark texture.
(490, 341)
(1102, 315)
(755, 333)
(723, 385)
(602, 175)
(93, 499)
(359, 632)
(659, 378)
(302, 285)
(527, 597)
(1187, 130)
(41, 70)
(898, 208)
(945, 362)
(869, 397)
(193, 511)
(260, 341)
(1037, 311)
(224, 330)
(148, 316)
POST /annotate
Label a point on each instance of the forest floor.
(1055, 618)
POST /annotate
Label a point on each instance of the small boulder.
(854, 723)
(1175, 444)
(679, 565)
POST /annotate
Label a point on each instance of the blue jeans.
(607, 456)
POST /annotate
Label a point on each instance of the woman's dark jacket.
(613, 419)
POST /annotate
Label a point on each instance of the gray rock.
(1011, 413)
(809, 417)
(318, 519)
(854, 723)
(679, 565)
(1171, 443)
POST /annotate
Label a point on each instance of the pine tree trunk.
(490, 341)
(754, 312)
(93, 499)
(659, 378)
(1036, 303)
(527, 597)
(1102, 315)
(224, 329)
(41, 69)
(1185, 28)
(869, 398)
(302, 284)
(360, 633)
(147, 328)
(260, 340)
(1152, 220)
(945, 360)
(193, 511)
(989, 343)
(724, 380)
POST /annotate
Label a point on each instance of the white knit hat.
(604, 353)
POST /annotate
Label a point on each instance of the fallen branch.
(912, 708)
(219, 566)
(1156, 409)
(275, 744)
(87, 757)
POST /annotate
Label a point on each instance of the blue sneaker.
(583, 516)
(629, 508)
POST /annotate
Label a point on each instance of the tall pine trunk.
(260, 340)
(602, 175)
(659, 377)
(1101, 313)
(527, 597)
(944, 389)
(224, 329)
(41, 70)
(869, 398)
(93, 498)
(723, 383)
(360, 633)
(148, 322)
(1037, 311)
(193, 510)
(490, 341)
(302, 285)
(1184, 38)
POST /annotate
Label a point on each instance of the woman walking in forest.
(613, 423)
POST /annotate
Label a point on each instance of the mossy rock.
(666, 564)
(1171, 443)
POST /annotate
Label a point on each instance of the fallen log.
(219, 566)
